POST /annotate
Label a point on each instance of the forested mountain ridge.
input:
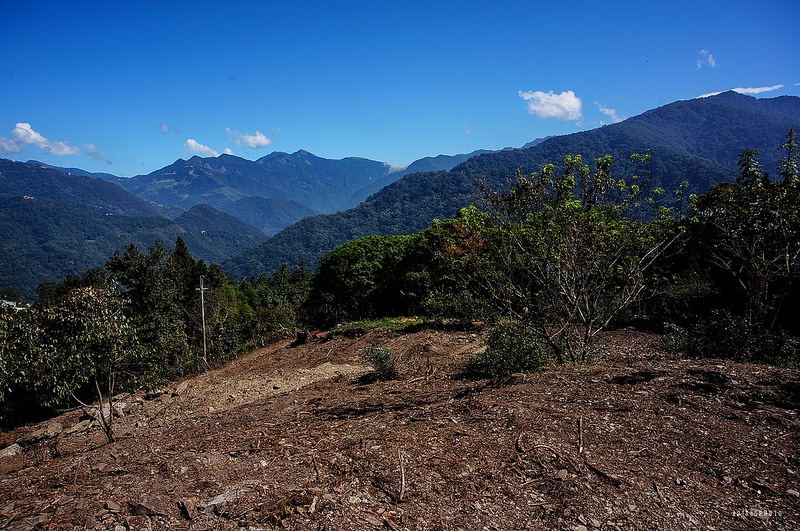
(54, 224)
(73, 220)
(42, 240)
(19, 179)
(313, 184)
(695, 140)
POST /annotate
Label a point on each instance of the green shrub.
(511, 347)
(382, 360)
(723, 334)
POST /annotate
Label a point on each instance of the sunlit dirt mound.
(302, 438)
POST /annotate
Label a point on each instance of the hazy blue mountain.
(695, 140)
(279, 188)
(269, 215)
(322, 185)
(77, 171)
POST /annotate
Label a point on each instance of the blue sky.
(129, 87)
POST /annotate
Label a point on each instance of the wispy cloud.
(706, 58)
(193, 146)
(9, 146)
(393, 168)
(611, 113)
(255, 141)
(166, 128)
(757, 90)
(23, 135)
(744, 90)
(93, 152)
(563, 106)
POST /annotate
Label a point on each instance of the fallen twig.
(402, 475)
(614, 481)
(316, 466)
(519, 445)
(660, 495)
(565, 457)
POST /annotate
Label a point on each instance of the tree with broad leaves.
(750, 230)
(76, 348)
(566, 253)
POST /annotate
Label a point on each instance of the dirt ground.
(301, 438)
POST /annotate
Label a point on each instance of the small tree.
(382, 360)
(81, 346)
(750, 230)
(566, 253)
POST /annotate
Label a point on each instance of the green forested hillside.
(18, 179)
(696, 140)
(403, 207)
(42, 240)
(269, 215)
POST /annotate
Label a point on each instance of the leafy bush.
(382, 360)
(723, 334)
(511, 347)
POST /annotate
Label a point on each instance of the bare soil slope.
(302, 438)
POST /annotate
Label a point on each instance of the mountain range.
(696, 140)
(252, 216)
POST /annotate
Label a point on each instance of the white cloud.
(24, 134)
(164, 128)
(252, 141)
(564, 106)
(757, 90)
(228, 151)
(706, 58)
(744, 90)
(611, 113)
(9, 146)
(92, 151)
(393, 168)
(193, 146)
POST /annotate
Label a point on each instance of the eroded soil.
(301, 438)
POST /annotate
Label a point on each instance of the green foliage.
(10, 294)
(268, 305)
(722, 334)
(375, 276)
(749, 234)
(567, 251)
(512, 346)
(382, 360)
(81, 345)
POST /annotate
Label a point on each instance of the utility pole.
(201, 289)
